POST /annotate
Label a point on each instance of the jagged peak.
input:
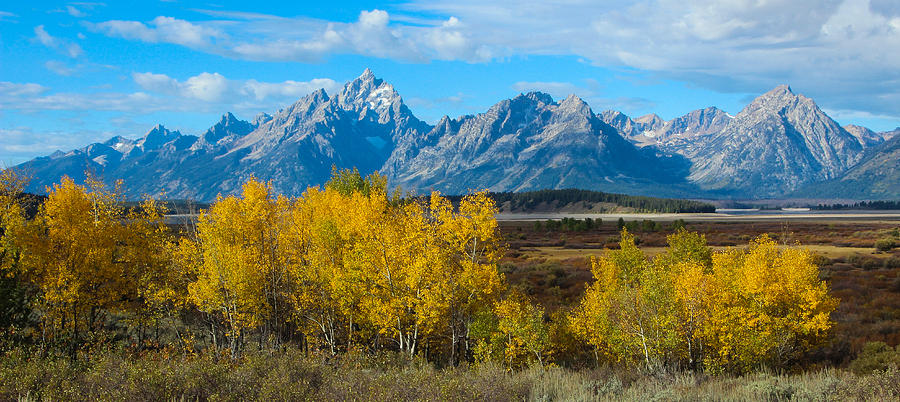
(856, 127)
(162, 131)
(228, 123)
(115, 140)
(261, 118)
(650, 118)
(368, 91)
(574, 102)
(367, 75)
(319, 93)
(228, 117)
(536, 96)
(779, 98)
(783, 88)
(366, 80)
(573, 98)
(781, 92)
(540, 97)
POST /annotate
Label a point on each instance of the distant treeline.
(861, 205)
(527, 201)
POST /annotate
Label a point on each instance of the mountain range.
(780, 145)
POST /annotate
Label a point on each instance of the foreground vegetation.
(352, 280)
(291, 375)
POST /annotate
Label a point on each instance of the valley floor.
(553, 266)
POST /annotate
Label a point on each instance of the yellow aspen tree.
(628, 313)
(15, 291)
(688, 263)
(319, 237)
(391, 259)
(693, 296)
(72, 252)
(598, 317)
(770, 306)
(160, 285)
(243, 275)
(522, 336)
(466, 272)
(12, 219)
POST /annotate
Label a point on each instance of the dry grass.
(292, 376)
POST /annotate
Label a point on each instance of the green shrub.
(875, 356)
(885, 244)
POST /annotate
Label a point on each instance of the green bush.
(885, 244)
(875, 356)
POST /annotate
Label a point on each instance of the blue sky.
(72, 73)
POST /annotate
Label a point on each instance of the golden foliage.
(729, 310)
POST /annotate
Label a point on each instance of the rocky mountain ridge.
(779, 144)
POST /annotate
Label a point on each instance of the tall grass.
(291, 375)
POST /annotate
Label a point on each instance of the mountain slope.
(697, 123)
(531, 142)
(778, 143)
(293, 149)
(867, 138)
(877, 176)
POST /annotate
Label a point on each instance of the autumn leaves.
(351, 266)
(691, 308)
(354, 267)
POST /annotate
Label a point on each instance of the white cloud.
(214, 87)
(31, 97)
(207, 87)
(263, 37)
(837, 51)
(75, 12)
(59, 67)
(20, 144)
(162, 29)
(15, 90)
(291, 89)
(205, 92)
(68, 48)
(370, 35)
(156, 82)
(44, 37)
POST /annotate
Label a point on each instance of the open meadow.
(553, 264)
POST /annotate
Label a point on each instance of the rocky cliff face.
(629, 128)
(526, 143)
(694, 124)
(672, 135)
(867, 138)
(876, 176)
(778, 143)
